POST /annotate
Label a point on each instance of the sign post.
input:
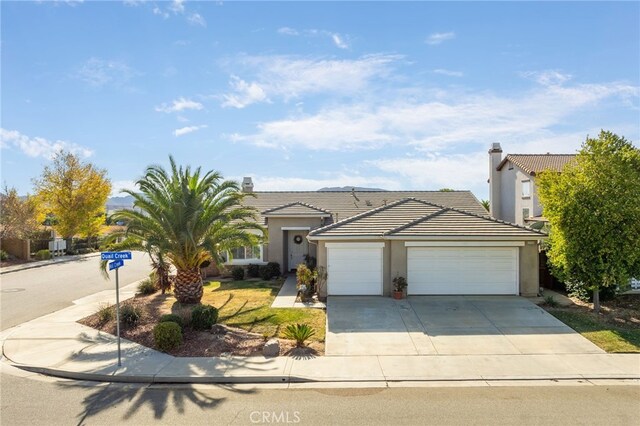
(117, 262)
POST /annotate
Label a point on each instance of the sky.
(304, 95)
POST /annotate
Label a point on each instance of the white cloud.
(176, 6)
(288, 31)
(290, 77)
(448, 73)
(160, 12)
(243, 94)
(437, 38)
(440, 121)
(39, 147)
(99, 72)
(548, 77)
(134, 3)
(178, 105)
(197, 19)
(119, 185)
(339, 41)
(189, 129)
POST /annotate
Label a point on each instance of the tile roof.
(295, 209)
(411, 217)
(342, 204)
(536, 163)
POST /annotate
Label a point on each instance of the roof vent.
(247, 184)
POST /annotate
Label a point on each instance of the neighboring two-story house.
(512, 184)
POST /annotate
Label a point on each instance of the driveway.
(447, 325)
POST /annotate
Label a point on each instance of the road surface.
(29, 402)
(32, 293)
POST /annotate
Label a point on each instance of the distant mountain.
(126, 201)
(348, 189)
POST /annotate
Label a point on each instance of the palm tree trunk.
(188, 286)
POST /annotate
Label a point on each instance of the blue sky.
(305, 95)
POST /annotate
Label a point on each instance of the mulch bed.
(220, 341)
(623, 311)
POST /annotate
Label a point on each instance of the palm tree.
(187, 218)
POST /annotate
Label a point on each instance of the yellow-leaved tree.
(75, 194)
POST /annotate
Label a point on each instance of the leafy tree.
(446, 190)
(485, 204)
(75, 193)
(187, 218)
(18, 216)
(593, 208)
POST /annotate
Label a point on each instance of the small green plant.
(167, 336)
(550, 301)
(237, 273)
(172, 318)
(129, 314)
(105, 313)
(253, 270)
(146, 287)
(299, 332)
(203, 317)
(43, 255)
(399, 283)
(3, 255)
(270, 270)
(184, 312)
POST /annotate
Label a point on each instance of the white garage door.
(354, 269)
(462, 270)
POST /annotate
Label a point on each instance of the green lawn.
(247, 305)
(606, 336)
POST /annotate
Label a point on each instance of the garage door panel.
(354, 271)
(462, 270)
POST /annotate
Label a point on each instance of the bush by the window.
(253, 270)
(203, 317)
(237, 273)
(270, 270)
(167, 336)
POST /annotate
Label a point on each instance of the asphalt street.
(32, 293)
(25, 401)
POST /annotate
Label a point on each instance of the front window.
(248, 252)
(526, 188)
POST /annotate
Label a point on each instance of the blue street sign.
(116, 264)
(114, 255)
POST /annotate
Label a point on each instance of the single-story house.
(442, 242)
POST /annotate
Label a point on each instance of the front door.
(298, 248)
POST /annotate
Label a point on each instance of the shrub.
(550, 301)
(299, 332)
(203, 317)
(167, 335)
(579, 291)
(146, 287)
(43, 255)
(270, 270)
(253, 271)
(173, 318)
(3, 255)
(304, 276)
(184, 312)
(129, 314)
(237, 273)
(105, 313)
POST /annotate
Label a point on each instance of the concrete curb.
(40, 264)
(283, 379)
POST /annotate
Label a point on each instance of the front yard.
(616, 329)
(246, 320)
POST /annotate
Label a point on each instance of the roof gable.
(536, 163)
(296, 209)
(417, 218)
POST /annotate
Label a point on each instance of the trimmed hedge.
(167, 336)
(203, 317)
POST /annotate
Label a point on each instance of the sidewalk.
(56, 345)
(41, 263)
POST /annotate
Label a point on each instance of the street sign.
(116, 264)
(114, 255)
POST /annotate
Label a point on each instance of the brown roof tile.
(536, 163)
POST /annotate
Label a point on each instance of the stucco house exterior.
(512, 184)
(442, 242)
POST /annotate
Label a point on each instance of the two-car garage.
(357, 269)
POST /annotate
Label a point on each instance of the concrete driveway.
(447, 325)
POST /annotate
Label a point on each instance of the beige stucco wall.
(511, 201)
(395, 263)
(275, 249)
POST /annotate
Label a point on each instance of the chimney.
(247, 184)
(495, 157)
